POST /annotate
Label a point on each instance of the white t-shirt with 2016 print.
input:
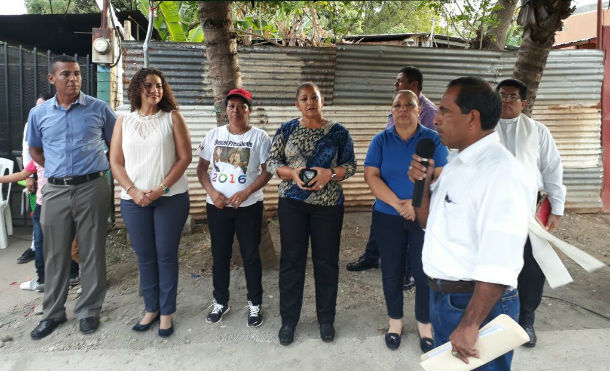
(235, 160)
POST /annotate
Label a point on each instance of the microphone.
(425, 150)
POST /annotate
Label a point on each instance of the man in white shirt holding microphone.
(476, 220)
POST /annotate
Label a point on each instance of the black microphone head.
(425, 148)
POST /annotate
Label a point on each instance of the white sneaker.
(38, 309)
(32, 285)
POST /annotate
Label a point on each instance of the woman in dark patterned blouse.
(310, 209)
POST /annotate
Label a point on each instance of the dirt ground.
(360, 309)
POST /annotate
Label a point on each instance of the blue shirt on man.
(392, 156)
(73, 140)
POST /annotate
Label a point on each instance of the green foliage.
(170, 12)
(386, 17)
(317, 23)
(158, 22)
(297, 22)
(174, 20)
(514, 37)
(195, 35)
(469, 19)
(73, 6)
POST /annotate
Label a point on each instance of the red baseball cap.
(242, 93)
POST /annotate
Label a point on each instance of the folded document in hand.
(498, 337)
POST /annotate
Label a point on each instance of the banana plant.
(167, 19)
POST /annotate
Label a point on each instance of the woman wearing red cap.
(237, 153)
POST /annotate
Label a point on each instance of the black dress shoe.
(140, 327)
(89, 325)
(286, 334)
(392, 340)
(327, 332)
(426, 344)
(27, 256)
(45, 327)
(361, 264)
(529, 330)
(168, 331)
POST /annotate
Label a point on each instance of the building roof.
(439, 39)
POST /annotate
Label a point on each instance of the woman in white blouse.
(149, 153)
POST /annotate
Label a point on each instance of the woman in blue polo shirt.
(385, 171)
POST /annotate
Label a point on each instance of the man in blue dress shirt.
(68, 135)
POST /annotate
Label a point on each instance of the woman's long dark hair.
(168, 102)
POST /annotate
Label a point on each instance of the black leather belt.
(76, 180)
(449, 287)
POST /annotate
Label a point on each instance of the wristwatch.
(333, 175)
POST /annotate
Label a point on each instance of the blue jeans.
(38, 255)
(155, 232)
(446, 311)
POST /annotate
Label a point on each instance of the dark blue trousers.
(38, 255)
(155, 232)
(371, 252)
(397, 240)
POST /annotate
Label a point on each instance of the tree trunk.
(540, 20)
(495, 37)
(221, 52)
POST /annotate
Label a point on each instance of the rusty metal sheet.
(357, 81)
(272, 73)
(363, 123)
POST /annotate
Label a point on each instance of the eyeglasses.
(510, 97)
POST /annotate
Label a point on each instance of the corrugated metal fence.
(357, 81)
(272, 73)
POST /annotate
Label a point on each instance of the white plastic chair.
(6, 222)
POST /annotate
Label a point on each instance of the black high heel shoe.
(140, 327)
(168, 331)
